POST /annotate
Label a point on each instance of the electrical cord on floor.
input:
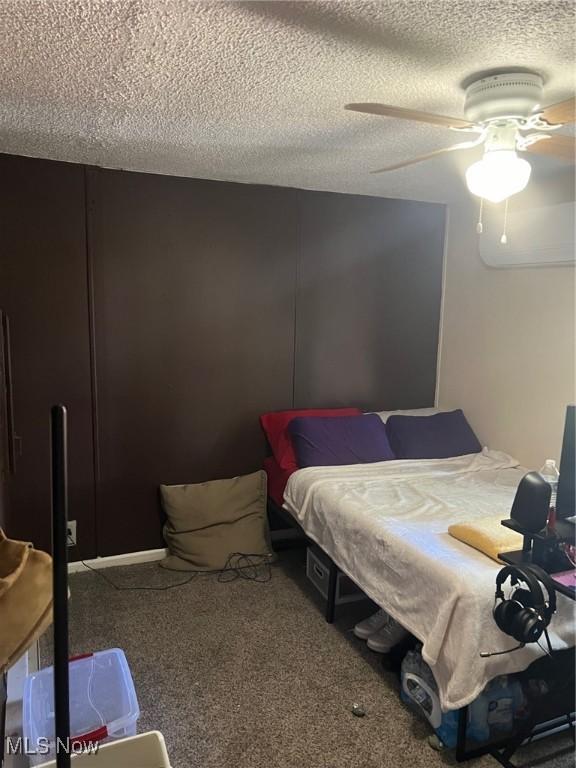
(120, 588)
(249, 567)
(239, 565)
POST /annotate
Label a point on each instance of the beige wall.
(507, 347)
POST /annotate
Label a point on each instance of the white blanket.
(385, 525)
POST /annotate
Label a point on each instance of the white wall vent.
(537, 237)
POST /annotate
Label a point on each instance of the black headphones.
(525, 615)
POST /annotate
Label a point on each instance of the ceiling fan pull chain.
(479, 227)
(504, 238)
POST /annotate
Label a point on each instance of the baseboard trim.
(130, 558)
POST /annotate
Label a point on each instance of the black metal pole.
(3, 707)
(59, 452)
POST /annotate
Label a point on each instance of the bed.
(277, 479)
(385, 525)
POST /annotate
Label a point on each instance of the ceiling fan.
(504, 111)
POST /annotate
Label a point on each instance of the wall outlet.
(71, 533)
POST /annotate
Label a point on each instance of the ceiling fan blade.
(563, 112)
(557, 145)
(409, 114)
(428, 155)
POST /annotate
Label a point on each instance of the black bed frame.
(502, 751)
(278, 513)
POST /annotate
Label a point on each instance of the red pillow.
(275, 425)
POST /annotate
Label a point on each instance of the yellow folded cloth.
(488, 535)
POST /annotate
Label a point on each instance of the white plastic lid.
(550, 463)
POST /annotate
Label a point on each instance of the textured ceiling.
(253, 91)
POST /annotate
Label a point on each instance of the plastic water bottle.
(492, 714)
(549, 472)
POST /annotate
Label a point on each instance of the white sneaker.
(372, 624)
(387, 637)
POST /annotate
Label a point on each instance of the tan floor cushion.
(209, 522)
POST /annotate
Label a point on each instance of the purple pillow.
(332, 441)
(432, 437)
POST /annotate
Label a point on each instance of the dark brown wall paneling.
(43, 291)
(194, 318)
(368, 301)
(180, 310)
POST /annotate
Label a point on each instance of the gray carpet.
(249, 675)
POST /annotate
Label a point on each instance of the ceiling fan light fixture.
(499, 175)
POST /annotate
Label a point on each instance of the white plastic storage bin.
(103, 703)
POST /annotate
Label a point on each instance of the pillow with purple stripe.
(432, 437)
(325, 441)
